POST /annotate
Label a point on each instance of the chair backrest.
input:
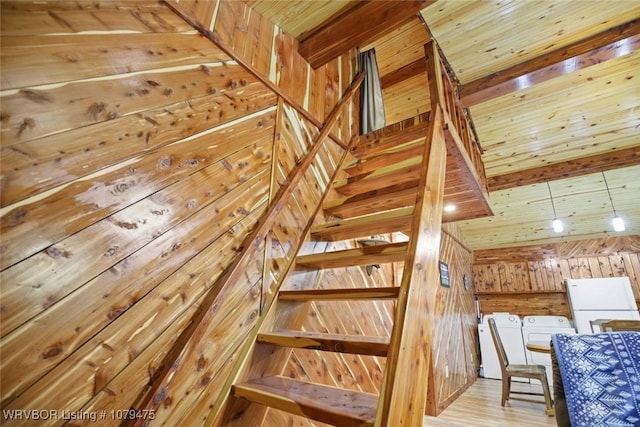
(620, 325)
(502, 355)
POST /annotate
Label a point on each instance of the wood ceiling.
(553, 88)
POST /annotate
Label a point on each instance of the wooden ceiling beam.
(356, 27)
(568, 169)
(419, 66)
(609, 44)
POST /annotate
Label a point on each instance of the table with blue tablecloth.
(599, 376)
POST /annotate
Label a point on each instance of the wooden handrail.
(456, 116)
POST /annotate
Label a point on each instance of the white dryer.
(510, 330)
(540, 329)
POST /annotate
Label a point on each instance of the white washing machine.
(510, 330)
(540, 328)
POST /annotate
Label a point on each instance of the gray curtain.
(371, 103)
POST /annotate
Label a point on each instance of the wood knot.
(111, 251)
(164, 162)
(159, 397)
(202, 363)
(15, 217)
(96, 109)
(27, 122)
(52, 351)
(116, 312)
(121, 187)
(127, 225)
(56, 253)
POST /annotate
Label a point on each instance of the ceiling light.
(557, 224)
(617, 222)
(449, 208)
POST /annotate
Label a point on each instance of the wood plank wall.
(136, 157)
(529, 280)
(455, 341)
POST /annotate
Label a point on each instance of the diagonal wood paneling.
(539, 288)
(455, 355)
(152, 189)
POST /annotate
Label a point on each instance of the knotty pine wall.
(529, 280)
(136, 157)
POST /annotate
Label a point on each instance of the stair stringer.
(403, 397)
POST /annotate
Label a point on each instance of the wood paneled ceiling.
(553, 87)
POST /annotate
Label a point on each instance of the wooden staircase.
(395, 183)
(321, 402)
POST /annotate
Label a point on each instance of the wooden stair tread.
(377, 161)
(383, 199)
(392, 136)
(366, 225)
(399, 173)
(323, 403)
(339, 294)
(378, 254)
(355, 344)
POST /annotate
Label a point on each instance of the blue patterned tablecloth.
(601, 378)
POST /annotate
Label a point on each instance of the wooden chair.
(537, 372)
(620, 325)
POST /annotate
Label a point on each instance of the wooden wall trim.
(216, 39)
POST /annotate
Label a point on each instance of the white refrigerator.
(595, 299)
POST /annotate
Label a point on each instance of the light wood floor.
(480, 406)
